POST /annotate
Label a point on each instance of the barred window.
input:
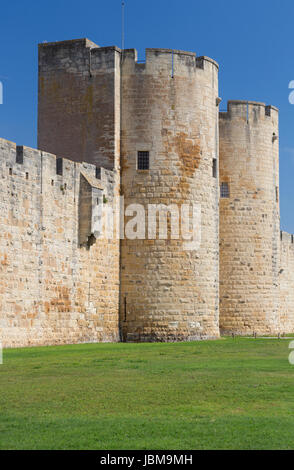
(224, 190)
(143, 161)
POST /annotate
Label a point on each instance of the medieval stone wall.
(54, 287)
(65, 280)
(286, 276)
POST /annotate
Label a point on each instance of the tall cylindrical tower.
(249, 219)
(169, 156)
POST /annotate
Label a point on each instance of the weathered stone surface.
(60, 282)
(52, 290)
(169, 109)
(286, 278)
(79, 103)
(249, 219)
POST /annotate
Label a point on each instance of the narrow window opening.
(143, 161)
(10, 171)
(52, 182)
(59, 166)
(277, 194)
(224, 190)
(125, 302)
(27, 176)
(214, 168)
(19, 154)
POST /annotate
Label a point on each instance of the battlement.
(157, 59)
(76, 56)
(35, 165)
(286, 238)
(244, 109)
(84, 54)
(75, 48)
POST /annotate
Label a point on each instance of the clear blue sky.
(252, 40)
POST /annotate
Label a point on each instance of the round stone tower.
(249, 219)
(169, 149)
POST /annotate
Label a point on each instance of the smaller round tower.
(249, 219)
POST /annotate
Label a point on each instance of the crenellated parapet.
(44, 168)
(287, 238)
(173, 62)
(75, 183)
(247, 110)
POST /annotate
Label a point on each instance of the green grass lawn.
(226, 394)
